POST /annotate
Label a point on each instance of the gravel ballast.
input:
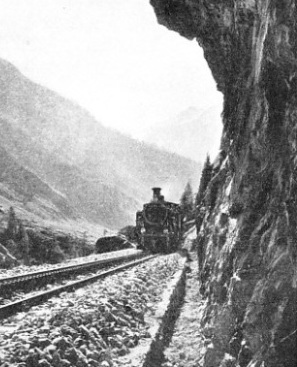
(93, 326)
(53, 284)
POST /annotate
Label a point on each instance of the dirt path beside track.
(186, 347)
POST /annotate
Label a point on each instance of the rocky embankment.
(93, 326)
(247, 241)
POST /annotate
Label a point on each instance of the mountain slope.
(61, 163)
(189, 134)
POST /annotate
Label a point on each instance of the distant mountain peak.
(192, 133)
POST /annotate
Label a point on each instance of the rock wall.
(248, 242)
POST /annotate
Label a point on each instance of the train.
(159, 225)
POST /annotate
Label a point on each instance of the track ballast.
(22, 304)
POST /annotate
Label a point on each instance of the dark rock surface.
(247, 241)
(112, 243)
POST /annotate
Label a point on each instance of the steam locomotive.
(159, 224)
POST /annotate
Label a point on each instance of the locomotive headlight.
(142, 230)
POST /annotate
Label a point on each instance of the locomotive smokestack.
(156, 193)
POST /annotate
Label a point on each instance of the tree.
(23, 243)
(204, 181)
(187, 202)
(12, 225)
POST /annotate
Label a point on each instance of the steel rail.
(64, 269)
(16, 306)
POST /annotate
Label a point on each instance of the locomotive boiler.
(159, 224)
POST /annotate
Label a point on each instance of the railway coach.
(159, 224)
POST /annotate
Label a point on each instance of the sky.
(110, 56)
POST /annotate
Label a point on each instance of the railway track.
(26, 302)
(35, 279)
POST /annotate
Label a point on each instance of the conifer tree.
(204, 181)
(187, 202)
(12, 225)
(23, 243)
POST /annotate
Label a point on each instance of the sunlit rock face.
(247, 242)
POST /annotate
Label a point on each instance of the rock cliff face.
(247, 240)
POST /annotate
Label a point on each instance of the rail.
(16, 306)
(69, 269)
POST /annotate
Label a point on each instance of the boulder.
(112, 243)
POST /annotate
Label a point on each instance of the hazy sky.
(110, 56)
